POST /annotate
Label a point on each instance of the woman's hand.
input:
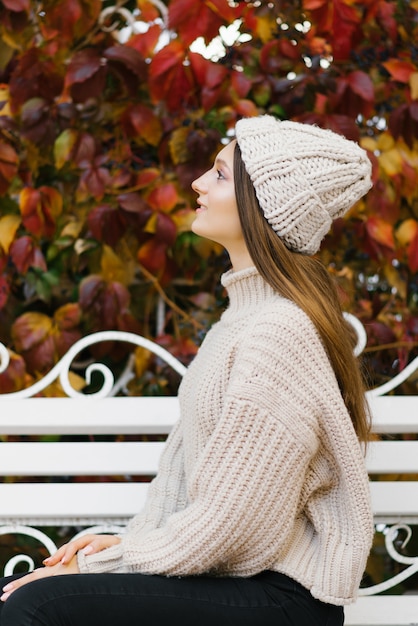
(64, 561)
(88, 544)
(69, 568)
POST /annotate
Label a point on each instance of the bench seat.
(87, 462)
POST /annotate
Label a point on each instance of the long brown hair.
(305, 281)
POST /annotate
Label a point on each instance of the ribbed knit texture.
(304, 176)
(263, 470)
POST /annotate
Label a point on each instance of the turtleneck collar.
(246, 289)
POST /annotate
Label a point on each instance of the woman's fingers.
(56, 570)
(68, 550)
(89, 544)
(100, 542)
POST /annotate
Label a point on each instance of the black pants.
(268, 599)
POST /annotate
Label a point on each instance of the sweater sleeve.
(166, 494)
(245, 488)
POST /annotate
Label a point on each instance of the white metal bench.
(106, 506)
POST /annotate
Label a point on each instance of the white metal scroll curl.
(390, 537)
(4, 358)
(28, 531)
(127, 15)
(62, 368)
(360, 332)
(396, 380)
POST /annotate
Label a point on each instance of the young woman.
(260, 512)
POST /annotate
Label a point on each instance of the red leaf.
(225, 10)
(38, 124)
(128, 57)
(30, 329)
(149, 11)
(246, 108)
(403, 121)
(40, 209)
(68, 20)
(9, 161)
(33, 111)
(145, 43)
(166, 59)
(66, 322)
(193, 19)
(189, 18)
(106, 224)
(380, 231)
(146, 177)
(94, 181)
(153, 256)
(240, 83)
(14, 377)
(133, 203)
(34, 76)
(400, 70)
(362, 85)
(68, 316)
(166, 230)
(105, 303)
(206, 72)
(25, 254)
(83, 65)
(90, 88)
(140, 120)
(169, 81)
(17, 5)
(90, 289)
(386, 17)
(116, 300)
(164, 198)
(85, 150)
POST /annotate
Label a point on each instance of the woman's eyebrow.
(221, 162)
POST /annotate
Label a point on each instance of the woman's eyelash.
(220, 175)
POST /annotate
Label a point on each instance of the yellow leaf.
(205, 247)
(151, 225)
(183, 219)
(11, 39)
(142, 358)
(265, 28)
(63, 147)
(413, 83)
(72, 229)
(385, 142)
(113, 268)
(391, 162)
(408, 155)
(178, 146)
(368, 143)
(395, 279)
(4, 101)
(406, 232)
(8, 227)
(55, 390)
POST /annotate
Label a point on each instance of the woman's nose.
(198, 184)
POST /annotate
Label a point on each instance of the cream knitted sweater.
(263, 470)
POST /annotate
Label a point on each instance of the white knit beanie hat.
(304, 176)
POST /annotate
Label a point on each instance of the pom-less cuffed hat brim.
(304, 177)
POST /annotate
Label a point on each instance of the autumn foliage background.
(100, 140)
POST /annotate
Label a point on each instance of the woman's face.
(217, 213)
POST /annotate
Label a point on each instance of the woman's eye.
(219, 175)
